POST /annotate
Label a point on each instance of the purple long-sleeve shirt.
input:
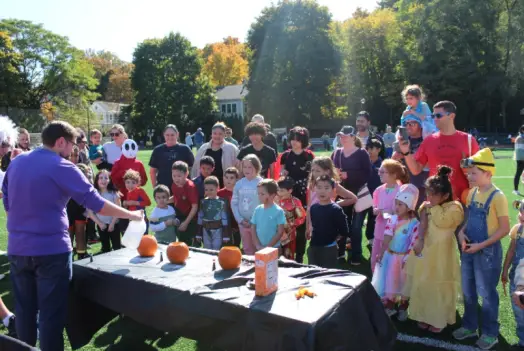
(37, 187)
(357, 166)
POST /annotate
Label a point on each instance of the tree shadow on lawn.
(132, 336)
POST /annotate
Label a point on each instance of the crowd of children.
(417, 269)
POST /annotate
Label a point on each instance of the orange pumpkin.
(148, 246)
(229, 257)
(177, 252)
(464, 196)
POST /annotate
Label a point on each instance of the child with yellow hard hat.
(487, 222)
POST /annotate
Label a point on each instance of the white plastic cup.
(134, 233)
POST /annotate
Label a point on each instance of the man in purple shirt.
(36, 188)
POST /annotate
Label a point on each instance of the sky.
(119, 25)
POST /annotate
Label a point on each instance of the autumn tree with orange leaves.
(226, 63)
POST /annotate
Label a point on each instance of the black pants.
(90, 231)
(235, 238)
(355, 221)
(370, 226)
(110, 239)
(520, 168)
(301, 242)
(322, 256)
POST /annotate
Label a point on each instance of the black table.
(218, 307)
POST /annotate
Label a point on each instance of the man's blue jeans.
(41, 283)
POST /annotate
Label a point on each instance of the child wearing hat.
(389, 278)
(487, 222)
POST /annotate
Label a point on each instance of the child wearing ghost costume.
(400, 235)
(8, 138)
(126, 162)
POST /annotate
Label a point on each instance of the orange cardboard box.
(266, 271)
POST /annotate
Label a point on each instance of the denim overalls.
(519, 312)
(481, 272)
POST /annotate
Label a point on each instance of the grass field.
(124, 334)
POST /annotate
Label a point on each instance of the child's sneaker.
(516, 192)
(486, 342)
(402, 315)
(463, 333)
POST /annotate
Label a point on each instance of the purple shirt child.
(35, 202)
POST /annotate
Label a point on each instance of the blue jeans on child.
(481, 272)
(519, 315)
(41, 283)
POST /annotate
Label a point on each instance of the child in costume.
(514, 255)
(295, 216)
(127, 161)
(434, 277)
(417, 110)
(212, 216)
(487, 222)
(389, 278)
(391, 174)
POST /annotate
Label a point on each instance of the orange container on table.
(266, 271)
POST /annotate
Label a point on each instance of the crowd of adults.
(39, 246)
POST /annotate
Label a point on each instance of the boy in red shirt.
(185, 200)
(136, 198)
(231, 176)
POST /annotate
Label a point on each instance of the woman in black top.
(296, 163)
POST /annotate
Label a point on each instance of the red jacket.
(119, 169)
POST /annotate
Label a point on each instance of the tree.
(50, 65)
(169, 85)
(113, 74)
(13, 86)
(226, 62)
(294, 61)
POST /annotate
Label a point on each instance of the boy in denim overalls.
(513, 256)
(487, 222)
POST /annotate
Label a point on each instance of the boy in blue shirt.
(268, 220)
(207, 166)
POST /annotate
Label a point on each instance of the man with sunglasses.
(446, 147)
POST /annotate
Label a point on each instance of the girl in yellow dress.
(434, 276)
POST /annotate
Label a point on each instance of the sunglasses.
(411, 124)
(439, 115)
(469, 163)
(114, 134)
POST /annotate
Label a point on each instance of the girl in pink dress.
(392, 174)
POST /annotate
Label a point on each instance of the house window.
(234, 108)
(223, 108)
(228, 108)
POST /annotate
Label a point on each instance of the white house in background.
(109, 112)
(231, 101)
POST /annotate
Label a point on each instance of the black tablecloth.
(9, 344)
(218, 307)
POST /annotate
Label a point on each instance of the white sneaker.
(516, 192)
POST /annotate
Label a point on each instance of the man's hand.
(404, 145)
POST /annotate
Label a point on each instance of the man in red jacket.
(126, 162)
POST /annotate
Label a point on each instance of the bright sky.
(118, 25)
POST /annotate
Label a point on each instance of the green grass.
(124, 334)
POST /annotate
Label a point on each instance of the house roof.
(231, 92)
(109, 106)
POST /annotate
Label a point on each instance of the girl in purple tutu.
(400, 235)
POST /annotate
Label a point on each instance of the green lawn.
(124, 334)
